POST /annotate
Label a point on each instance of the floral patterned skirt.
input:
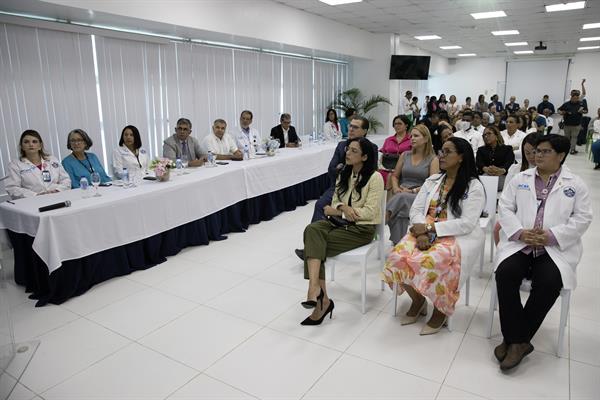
(434, 273)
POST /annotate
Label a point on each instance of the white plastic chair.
(565, 299)
(490, 184)
(362, 253)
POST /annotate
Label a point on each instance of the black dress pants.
(520, 323)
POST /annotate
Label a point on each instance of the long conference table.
(62, 253)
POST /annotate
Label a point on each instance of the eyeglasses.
(542, 152)
(76, 141)
(354, 127)
(179, 129)
(445, 153)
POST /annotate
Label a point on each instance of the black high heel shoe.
(311, 303)
(309, 321)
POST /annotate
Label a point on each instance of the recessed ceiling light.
(338, 2)
(588, 48)
(576, 5)
(589, 39)
(490, 14)
(591, 26)
(450, 47)
(523, 52)
(467, 55)
(428, 37)
(516, 44)
(503, 33)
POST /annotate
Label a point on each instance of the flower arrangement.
(272, 146)
(161, 167)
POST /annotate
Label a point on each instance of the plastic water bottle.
(125, 177)
(211, 159)
(246, 152)
(179, 166)
(84, 186)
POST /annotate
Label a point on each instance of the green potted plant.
(353, 98)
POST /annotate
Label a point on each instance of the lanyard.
(442, 203)
(90, 168)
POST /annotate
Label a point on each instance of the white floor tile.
(342, 381)
(476, 370)
(200, 337)
(30, 322)
(139, 314)
(585, 303)
(67, 350)
(585, 340)
(287, 272)
(101, 295)
(19, 392)
(585, 381)
(401, 347)
(206, 388)
(202, 283)
(450, 393)
(257, 301)
(271, 365)
(132, 373)
(12, 294)
(250, 259)
(161, 272)
(338, 333)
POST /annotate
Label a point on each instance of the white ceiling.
(451, 20)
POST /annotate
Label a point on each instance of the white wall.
(586, 65)
(259, 19)
(470, 77)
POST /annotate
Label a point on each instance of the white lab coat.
(466, 230)
(25, 179)
(254, 140)
(514, 141)
(472, 136)
(331, 131)
(568, 214)
(123, 157)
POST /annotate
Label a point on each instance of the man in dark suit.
(285, 132)
(357, 128)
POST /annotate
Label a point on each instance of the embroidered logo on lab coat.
(523, 186)
(569, 191)
(143, 151)
(54, 164)
(465, 196)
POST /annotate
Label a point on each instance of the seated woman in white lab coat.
(130, 154)
(543, 211)
(35, 172)
(331, 128)
(444, 240)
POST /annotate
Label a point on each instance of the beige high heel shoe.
(407, 320)
(428, 330)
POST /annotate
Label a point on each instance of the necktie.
(185, 150)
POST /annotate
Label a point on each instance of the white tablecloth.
(121, 216)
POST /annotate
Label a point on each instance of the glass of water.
(96, 182)
(184, 160)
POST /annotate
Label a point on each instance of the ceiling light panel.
(591, 26)
(505, 33)
(428, 37)
(576, 5)
(450, 47)
(523, 52)
(467, 55)
(339, 2)
(588, 48)
(490, 14)
(516, 44)
(589, 39)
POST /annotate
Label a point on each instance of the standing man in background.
(572, 112)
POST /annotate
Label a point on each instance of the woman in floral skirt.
(445, 239)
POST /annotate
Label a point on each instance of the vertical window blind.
(54, 81)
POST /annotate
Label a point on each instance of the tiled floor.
(222, 322)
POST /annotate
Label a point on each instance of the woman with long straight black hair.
(352, 218)
(444, 240)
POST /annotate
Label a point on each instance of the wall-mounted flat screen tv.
(410, 67)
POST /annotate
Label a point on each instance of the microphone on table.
(339, 168)
(62, 204)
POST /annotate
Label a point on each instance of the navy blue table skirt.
(75, 277)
